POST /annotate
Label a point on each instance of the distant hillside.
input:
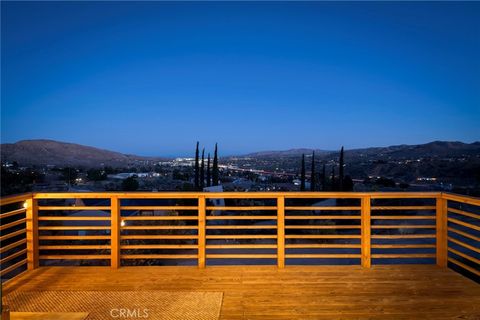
(49, 152)
(437, 149)
(285, 153)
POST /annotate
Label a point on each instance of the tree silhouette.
(209, 178)
(312, 177)
(69, 175)
(215, 167)
(130, 184)
(202, 171)
(302, 174)
(197, 173)
(347, 183)
(340, 171)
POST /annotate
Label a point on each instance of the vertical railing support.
(281, 232)
(115, 225)
(201, 231)
(366, 232)
(441, 236)
(32, 232)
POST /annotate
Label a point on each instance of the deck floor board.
(296, 292)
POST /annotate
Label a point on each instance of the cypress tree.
(202, 171)
(302, 174)
(209, 179)
(197, 173)
(215, 168)
(333, 178)
(340, 171)
(324, 179)
(312, 179)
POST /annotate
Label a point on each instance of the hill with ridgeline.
(49, 152)
(438, 149)
(453, 162)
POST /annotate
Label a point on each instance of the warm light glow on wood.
(209, 229)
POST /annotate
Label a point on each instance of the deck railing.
(116, 229)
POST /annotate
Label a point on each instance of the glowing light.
(122, 223)
(25, 204)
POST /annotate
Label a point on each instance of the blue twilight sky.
(152, 78)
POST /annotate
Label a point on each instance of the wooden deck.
(303, 292)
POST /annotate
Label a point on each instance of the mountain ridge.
(442, 147)
(51, 152)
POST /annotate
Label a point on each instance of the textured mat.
(121, 304)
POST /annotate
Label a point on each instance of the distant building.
(426, 179)
(125, 175)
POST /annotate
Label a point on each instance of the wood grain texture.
(303, 292)
(441, 224)
(115, 233)
(366, 232)
(202, 227)
(48, 315)
(281, 232)
(32, 232)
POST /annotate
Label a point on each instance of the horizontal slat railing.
(463, 234)
(16, 251)
(159, 232)
(404, 229)
(282, 228)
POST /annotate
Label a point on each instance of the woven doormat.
(121, 304)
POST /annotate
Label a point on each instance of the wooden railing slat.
(73, 208)
(13, 267)
(463, 244)
(329, 217)
(12, 213)
(13, 224)
(13, 256)
(464, 266)
(403, 255)
(465, 224)
(158, 218)
(403, 217)
(405, 226)
(464, 213)
(464, 234)
(250, 217)
(322, 256)
(12, 245)
(464, 255)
